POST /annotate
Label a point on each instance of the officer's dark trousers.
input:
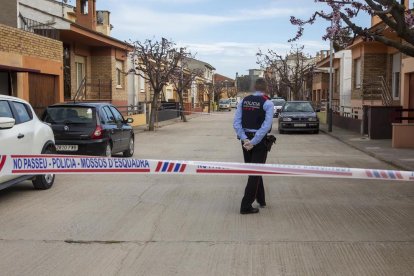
(254, 188)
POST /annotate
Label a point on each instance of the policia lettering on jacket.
(252, 121)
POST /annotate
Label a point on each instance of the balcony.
(43, 29)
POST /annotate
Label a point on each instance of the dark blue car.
(90, 129)
(298, 116)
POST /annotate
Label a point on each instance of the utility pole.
(330, 85)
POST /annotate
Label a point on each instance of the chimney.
(86, 13)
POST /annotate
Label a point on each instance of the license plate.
(300, 125)
(67, 147)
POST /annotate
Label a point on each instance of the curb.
(376, 156)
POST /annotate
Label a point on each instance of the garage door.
(42, 91)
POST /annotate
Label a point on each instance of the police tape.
(63, 164)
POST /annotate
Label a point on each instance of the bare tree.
(394, 15)
(288, 71)
(182, 80)
(231, 91)
(213, 92)
(156, 61)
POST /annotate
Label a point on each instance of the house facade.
(94, 64)
(196, 97)
(375, 88)
(30, 67)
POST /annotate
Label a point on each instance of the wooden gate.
(42, 91)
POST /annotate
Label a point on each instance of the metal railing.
(43, 29)
(386, 92)
(94, 90)
(400, 118)
(81, 92)
(98, 89)
(132, 109)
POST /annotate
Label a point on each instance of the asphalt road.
(176, 225)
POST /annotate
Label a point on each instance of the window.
(84, 7)
(80, 73)
(23, 113)
(5, 110)
(396, 68)
(337, 81)
(119, 76)
(118, 116)
(108, 116)
(357, 72)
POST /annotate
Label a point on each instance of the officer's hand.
(247, 145)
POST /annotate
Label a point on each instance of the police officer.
(252, 121)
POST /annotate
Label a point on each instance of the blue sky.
(225, 33)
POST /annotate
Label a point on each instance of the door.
(114, 130)
(19, 138)
(42, 91)
(124, 134)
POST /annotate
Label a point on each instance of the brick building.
(94, 63)
(228, 86)
(30, 66)
(379, 81)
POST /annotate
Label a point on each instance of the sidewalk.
(381, 149)
(159, 125)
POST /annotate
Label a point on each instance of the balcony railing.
(43, 29)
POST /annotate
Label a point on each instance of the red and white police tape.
(63, 164)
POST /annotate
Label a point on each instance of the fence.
(30, 25)
(399, 118)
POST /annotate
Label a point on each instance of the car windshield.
(278, 102)
(298, 107)
(224, 101)
(70, 115)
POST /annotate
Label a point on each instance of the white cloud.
(237, 49)
(146, 21)
(232, 57)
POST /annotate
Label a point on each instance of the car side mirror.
(317, 110)
(129, 120)
(7, 123)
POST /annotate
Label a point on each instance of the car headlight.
(312, 119)
(287, 119)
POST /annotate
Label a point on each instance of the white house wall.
(29, 9)
(345, 86)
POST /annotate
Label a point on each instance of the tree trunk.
(183, 117)
(151, 125)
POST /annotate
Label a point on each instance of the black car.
(90, 129)
(298, 116)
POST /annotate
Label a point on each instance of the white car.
(278, 104)
(224, 104)
(21, 132)
(233, 102)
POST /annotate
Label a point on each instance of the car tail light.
(97, 133)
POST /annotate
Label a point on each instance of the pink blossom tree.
(342, 13)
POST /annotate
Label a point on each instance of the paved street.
(175, 225)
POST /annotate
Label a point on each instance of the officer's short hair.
(260, 85)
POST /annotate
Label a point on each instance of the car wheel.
(316, 131)
(131, 147)
(108, 150)
(45, 181)
(281, 131)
